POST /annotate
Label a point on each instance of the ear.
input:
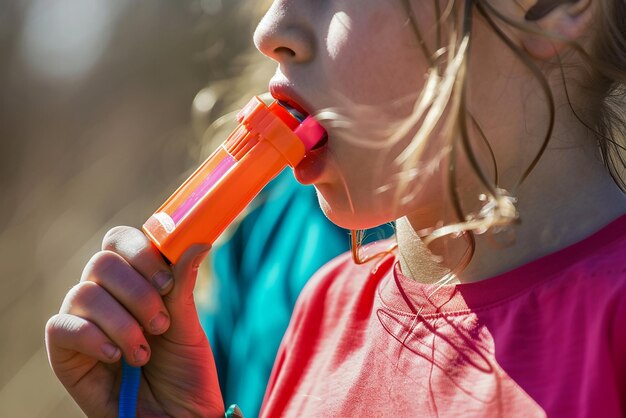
(561, 20)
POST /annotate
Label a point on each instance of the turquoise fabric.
(260, 272)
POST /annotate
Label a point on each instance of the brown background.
(82, 151)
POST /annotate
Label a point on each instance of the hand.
(130, 302)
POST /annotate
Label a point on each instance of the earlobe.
(562, 21)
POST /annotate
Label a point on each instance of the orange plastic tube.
(267, 139)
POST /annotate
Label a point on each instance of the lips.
(284, 93)
(312, 167)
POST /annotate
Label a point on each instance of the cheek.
(371, 188)
(372, 57)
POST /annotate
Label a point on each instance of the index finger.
(139, 252)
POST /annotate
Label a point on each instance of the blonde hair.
(445, 88)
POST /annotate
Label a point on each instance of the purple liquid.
(213, 177)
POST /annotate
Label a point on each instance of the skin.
(339, 45)
(341, 54)
(102, 318)
(314, 51)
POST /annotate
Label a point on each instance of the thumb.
(184, 326)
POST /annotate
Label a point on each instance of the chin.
(346, 218)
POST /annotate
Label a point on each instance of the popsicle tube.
(267, 139)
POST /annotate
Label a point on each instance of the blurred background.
(104, 106)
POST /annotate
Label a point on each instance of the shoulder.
(606, 271)
(600, 261)
(595, 284)
(341, 283)
(342, 274)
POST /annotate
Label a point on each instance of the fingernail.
(158, 323)
(237, 412)
(162, 279)
(234, 412)
(140, 354)
(110, 350)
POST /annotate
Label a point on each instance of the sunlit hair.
(441, 105)
(442, 102)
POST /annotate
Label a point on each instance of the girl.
(483, 127)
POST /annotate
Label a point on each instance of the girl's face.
(362, 59)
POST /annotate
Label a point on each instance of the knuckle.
(53, 327)
(82, 294)
(102, 264)
(62, 326)
(114, 235)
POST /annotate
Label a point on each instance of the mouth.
(295, 112)
(289, 99)
(286, 96)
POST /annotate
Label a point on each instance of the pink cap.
(310, 132)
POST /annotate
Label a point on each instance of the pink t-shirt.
(548, 338)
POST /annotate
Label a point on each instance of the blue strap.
(129, 389)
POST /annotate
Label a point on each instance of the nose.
(284, 34)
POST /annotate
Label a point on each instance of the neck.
(567, 197)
